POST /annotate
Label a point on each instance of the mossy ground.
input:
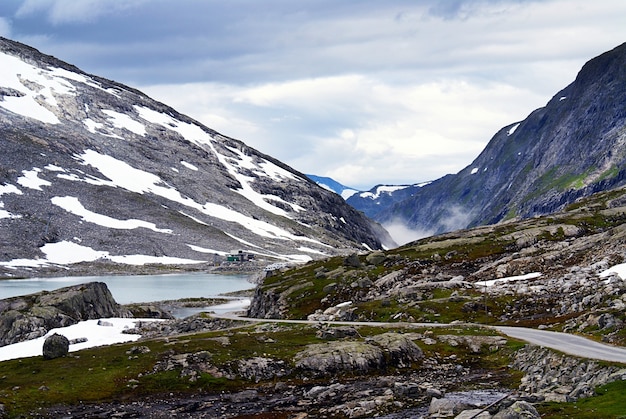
(113, 373)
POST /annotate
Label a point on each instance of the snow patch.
(5, 189)
(493, 282)
(92, 125)
(512, 129)
(101, 332)
(189, 165)
(205, 250)
(66, 253)
(619, 270)
(30, 179)
(123, 121)
(388, 189)
(72, 205)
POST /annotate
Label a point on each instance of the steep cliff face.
(572, 147)
(92, 170)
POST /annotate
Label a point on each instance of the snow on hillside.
(381, 190)
(89, 334)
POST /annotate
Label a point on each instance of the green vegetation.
(609, 402)
(118, 372)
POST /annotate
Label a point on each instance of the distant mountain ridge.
(378, 199)
(370, 202)
(571, 148)
(92, 171)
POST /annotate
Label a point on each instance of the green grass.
(610, 402)
(110, 373)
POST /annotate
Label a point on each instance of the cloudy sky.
(364, 91)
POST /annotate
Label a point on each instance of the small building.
(239, 256)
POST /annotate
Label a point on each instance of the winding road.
(563, 342)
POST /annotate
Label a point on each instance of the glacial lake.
(138, 288)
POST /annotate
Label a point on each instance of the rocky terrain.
(433, 357)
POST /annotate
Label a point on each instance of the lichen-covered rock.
(518, 410)
(260, 368)
(56, 346)
(340, 356)
(399, 349)
(445, 408)
(380, 351)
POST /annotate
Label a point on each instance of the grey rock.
(445, 408)
(340, 356)
(518, 410)
(55, 346)
(38, 313)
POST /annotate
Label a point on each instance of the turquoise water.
(137, 288)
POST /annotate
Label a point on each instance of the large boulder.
(56, 346)
(32, 316)
(340, 356)
(360, 357)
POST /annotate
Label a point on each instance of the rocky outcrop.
(358, 357)
(31, 316)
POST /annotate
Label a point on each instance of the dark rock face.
(55, 346)
(31, 316)
(573, 147)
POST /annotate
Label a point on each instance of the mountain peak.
(572, 147)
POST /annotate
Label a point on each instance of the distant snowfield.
(73, 205)
(382, 189)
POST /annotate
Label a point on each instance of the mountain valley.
(96, 177)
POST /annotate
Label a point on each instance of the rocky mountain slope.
(95, 171)
(572, 147)
(563, 271)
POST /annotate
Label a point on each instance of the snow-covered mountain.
(96, 172)
(373, 201)
(381, 197)
(571, 148)
(332, 185)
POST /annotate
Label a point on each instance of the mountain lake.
(128, 289)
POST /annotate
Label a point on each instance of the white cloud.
(72, 11)
(5, 27)
(379, 92)
(357, 129)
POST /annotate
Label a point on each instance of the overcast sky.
(366, 92)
